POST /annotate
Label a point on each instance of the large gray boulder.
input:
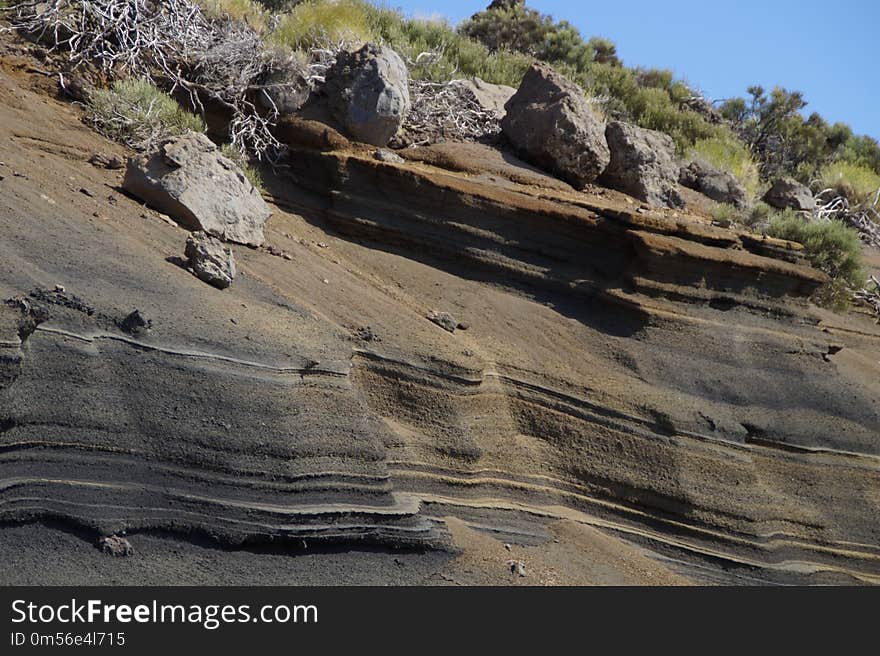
(491, 97)
(551, 124)
(787, 193)
(189, 180)
(720, 186)
(642, 164)
(368, 93)
(209, 260)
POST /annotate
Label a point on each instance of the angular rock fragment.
(642, 164)
(720, 186)
(209, 260)
(445, 320)
(491, 97)
(188, 179)
(135, 323)
(787, 193)
(116, 546)
(552, 125)
(368, 93)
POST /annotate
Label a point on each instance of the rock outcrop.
(720, 186)
(552, 125)
(368, 93)
(188, 179)
(209, 260)
(642, 164)
(788, 193)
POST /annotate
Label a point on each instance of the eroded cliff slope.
(640, 372)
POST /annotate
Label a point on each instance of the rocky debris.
(385, 155)
(787, 193)
(209, 260)
(188, 179)
(368, 93)
(105, 161)
(642, 164)
(135, 323)
(273, 250)
(491, 97)
(116, 546)
(30, 315)
(517, 567)
(60, 297)
(445, 320)
(720, 186)
(85, 191)
(552, 125)
(367, 334)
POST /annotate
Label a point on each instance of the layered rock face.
(634, 370)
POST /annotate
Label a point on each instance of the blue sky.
(828, 50)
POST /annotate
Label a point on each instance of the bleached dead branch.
(864, 218)
(447, 111)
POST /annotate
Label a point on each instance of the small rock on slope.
(209, 260)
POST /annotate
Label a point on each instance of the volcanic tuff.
(630, 369)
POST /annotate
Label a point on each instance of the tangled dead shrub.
(172, 44)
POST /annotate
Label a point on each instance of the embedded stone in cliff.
(188, 179)
(368, 93)
(551, 124)
(720, 186)
(642, 164)
(209, 260)
(787, 193)
(491, 97)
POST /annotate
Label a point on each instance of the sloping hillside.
(632, 395)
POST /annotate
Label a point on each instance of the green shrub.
(726, 152)
(252, 13)
(829, 246)
(136, 113)
(725, 214)
(314, 23)
(758, 216)
(857, 183)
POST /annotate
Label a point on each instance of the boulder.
(551, 124)
(642, 164)
(491, 97)
(284, 90)
(188, 179)
(368, 93)
(720, 186)
(209, 260)
(787, 193)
